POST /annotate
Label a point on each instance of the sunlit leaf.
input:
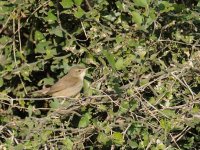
(30, 110)
(137, 17)
(67, 3)
(165, 6)
(119, 64)
(39, 36)
(54, 104)
(68, 143)
(110, 58)
(85, 120)
(120, 5)
(51, 18)
(1, 82)
(56, 31)
(133, 144)
(142, 3)
(102, 138)
(48, 81)
(124, 107)
(79, 13)
(78, 2)
(118, 138)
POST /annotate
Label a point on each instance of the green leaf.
(19, 146)
(117, 138)
(51, 18)
(45, 134)
(102, 138)
(151, 18)
(85, 121)
(169, 113)
(68, 143)
(119, 64)
(22, 103)
(41, 47)
(144, 81)
(137, 18)
(188, 39)
(56, 31)
(4, 39)
(133, 105)
(78, 2)
(141, 53)
(48, 81)
(30, 110)
(198, 4)
(166, 124)
(54, 104)
(124, 106)
(165, 6)
(102, 108)
(79, 13)
(110, 17)
(50, 53)
(120, 5)
(39, 36)
(132, 144)
(67, 3)
(87, 88)
(142, 3)
(152, 101)
(110, 58)
(119, 39)
(128, 60)
(1, 82)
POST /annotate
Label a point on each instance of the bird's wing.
(63, 83)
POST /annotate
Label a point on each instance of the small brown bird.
(69, 85)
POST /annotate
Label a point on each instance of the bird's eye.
(79, 70)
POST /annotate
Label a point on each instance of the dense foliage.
(142, 88)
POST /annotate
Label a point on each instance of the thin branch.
(173, 41)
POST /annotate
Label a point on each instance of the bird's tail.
(42, 91)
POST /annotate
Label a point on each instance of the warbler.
(69, 85)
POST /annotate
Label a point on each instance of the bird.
(69, 85)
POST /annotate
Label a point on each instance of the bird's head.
(78, 71)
